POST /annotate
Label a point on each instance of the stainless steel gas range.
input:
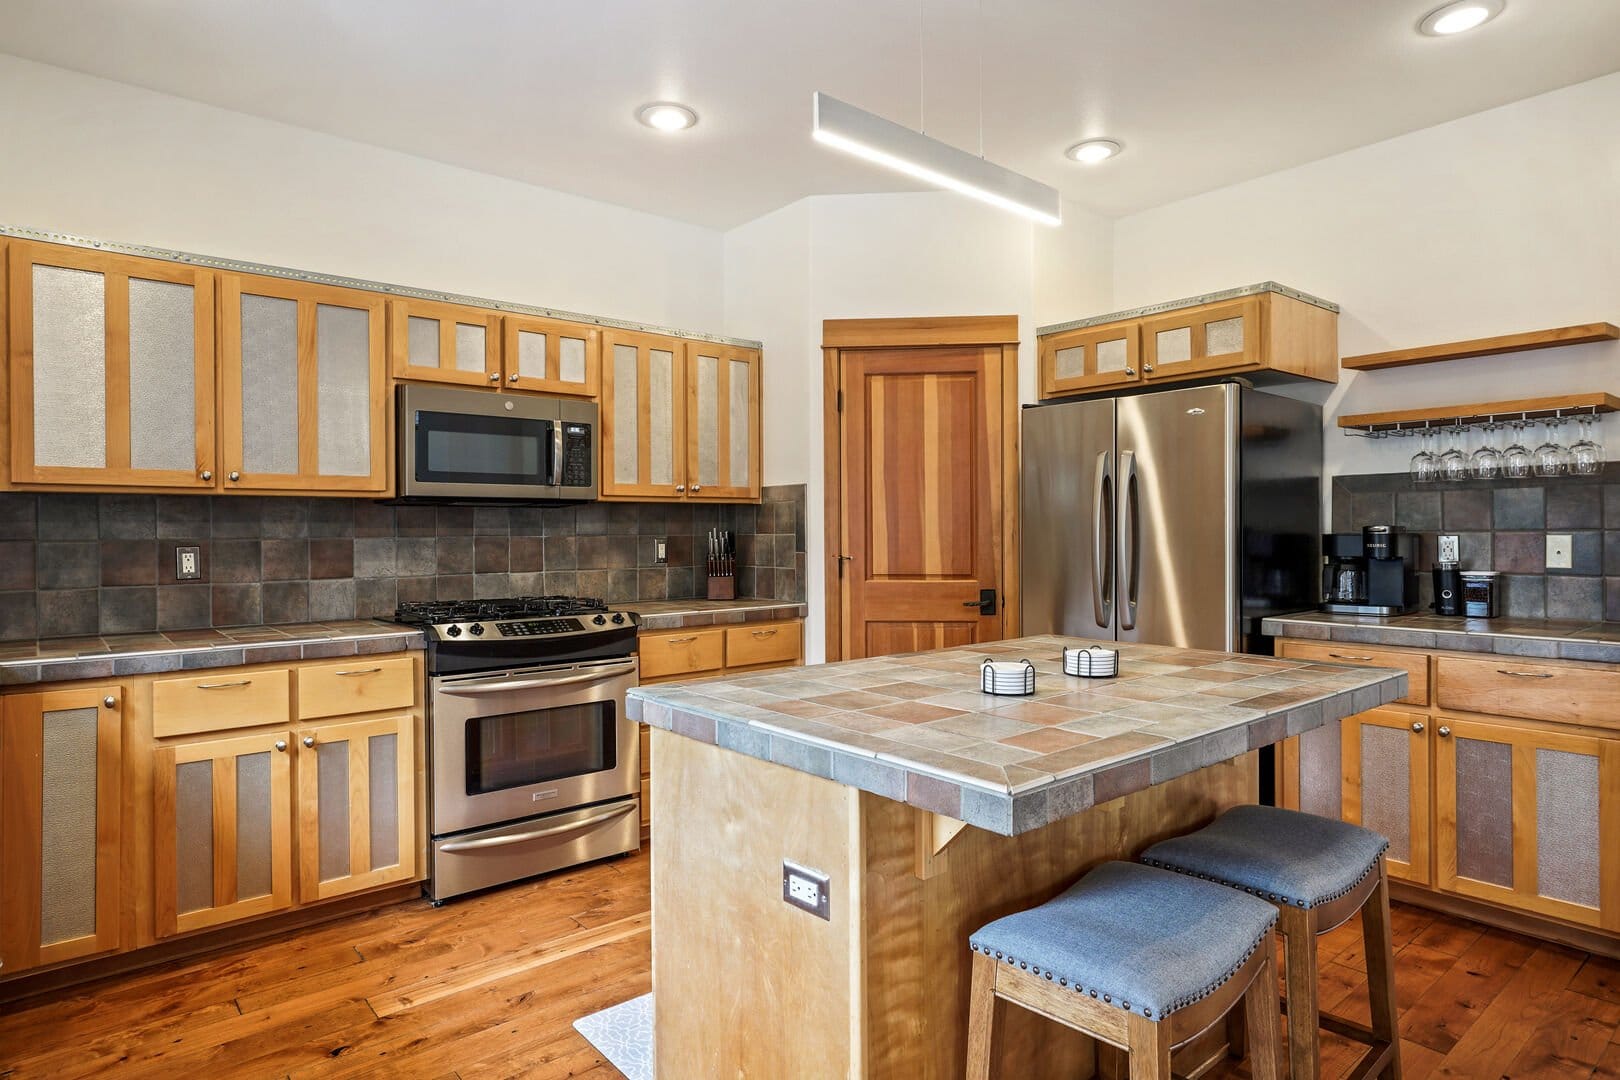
(532, 764)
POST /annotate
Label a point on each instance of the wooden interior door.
(922, 455)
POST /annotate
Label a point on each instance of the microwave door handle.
(556, 453)
(525, 837)
(501, 686)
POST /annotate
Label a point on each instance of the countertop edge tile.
(657, 615)
(1530, 638)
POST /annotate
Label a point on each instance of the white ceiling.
(1203, 93)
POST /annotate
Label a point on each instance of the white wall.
(110, 161)
(1504, 221)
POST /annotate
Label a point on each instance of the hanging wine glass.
(1517, 461)
(1425, 463)
(1453, 464)
(1551, 459)
(1487, 460)
(1586, 455)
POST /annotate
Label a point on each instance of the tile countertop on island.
(679, 614)
(66, 659)
(1545, 639)
(916, 729)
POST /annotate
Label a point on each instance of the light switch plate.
(1560, 551)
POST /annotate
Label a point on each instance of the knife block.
(722, 586)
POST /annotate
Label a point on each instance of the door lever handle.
(986, 603)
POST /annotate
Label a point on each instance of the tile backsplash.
(74, 565)
(1503, 525)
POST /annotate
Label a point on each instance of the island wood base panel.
(747, 986)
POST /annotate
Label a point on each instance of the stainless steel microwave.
(456, 443)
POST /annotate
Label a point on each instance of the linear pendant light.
(867, 135)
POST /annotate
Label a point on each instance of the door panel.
(356, 806)
(446, 343)
(1386, 785)
(1067, 508)
(1176, 479)
(643, 432)
(922, 447)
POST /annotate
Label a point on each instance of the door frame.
(854, 335)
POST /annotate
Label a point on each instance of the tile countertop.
(678, 614)
(916, 728)
(1540, 638)
(63, 659)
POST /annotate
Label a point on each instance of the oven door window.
(515, 750)
(462, 448)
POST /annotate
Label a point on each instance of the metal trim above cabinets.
(23, 232)
(1189, 302)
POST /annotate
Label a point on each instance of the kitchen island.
(931, 808)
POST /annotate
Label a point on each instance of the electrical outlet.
(661, 550)
(806, 888)
(1449, 549)
(1560, 551)
(187, 563)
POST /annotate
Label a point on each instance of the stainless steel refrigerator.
(1172, 517)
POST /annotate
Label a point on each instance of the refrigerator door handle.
(1130, 542)
(1102, 541)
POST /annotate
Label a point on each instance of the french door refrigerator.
(1173, 517)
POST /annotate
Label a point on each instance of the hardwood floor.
(490, 987)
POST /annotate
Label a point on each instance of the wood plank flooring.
(490, 987)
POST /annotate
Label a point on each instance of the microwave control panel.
(576, 455)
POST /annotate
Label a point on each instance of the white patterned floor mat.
(624, 1035)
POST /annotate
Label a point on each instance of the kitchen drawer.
(769, 643)
(1415, 663)
(220, 701)
(361, 684)
(646, 751)
(1536, 691)
(683, 652)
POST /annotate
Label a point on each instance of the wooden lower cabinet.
(356, 806)
(221, 831)
(60, 782)
(1384, 755)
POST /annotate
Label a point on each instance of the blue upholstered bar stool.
(1318, 872)
(1136, 957)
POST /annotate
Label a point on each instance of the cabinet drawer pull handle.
(223, 685)
(281, 746)
(1347, 656)
(682, 640)
(358, 671)
(1417, 727)
(1525, 674)
(1445, 732)
(772, 633)
(309, 740)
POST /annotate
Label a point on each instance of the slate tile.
(331, 557)
(234, 561)
(492, 521)
(285, 602)
(128, 517)
(1575, 598)
(68, 564)
(1575, 506)
(373, 520)
(17, 564)
(19, 616)
(1519, 508)
(69, 517)
(1418, 511)
(238, 517)
(453, 554)
(415, 556)
(285, 519)
(128, 610)
(1466, 510)
(129, 562)
(331, 517)
(1525, 596)
(373, 556)
(1519, 552)
(19, 515)
(184, 607)
(285, 560)
(490, 554)
(238, 605)
(374, 598)
(331, 598)
(184, 516)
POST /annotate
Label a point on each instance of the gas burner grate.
(431, 612)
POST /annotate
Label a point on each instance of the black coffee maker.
(1373, 572)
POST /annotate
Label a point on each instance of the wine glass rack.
(1382, 425)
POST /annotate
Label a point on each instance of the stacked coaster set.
(1016, 678)
(1092, 662)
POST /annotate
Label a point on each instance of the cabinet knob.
(512, 377)
(234, 475)
(281, 746)
(1417, 727)
(207, 474)
(110, 702)
(1445, 732)
(309, 740)
(697, 487)
(494, 376)
(680, 487)
(1130, 371)
(1148, 368)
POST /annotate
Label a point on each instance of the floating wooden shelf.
(1491, 346)
(1482, 412)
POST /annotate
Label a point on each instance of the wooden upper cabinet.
(1206, 340)
(722, 408)
(551, 356)
(644, 419)
(60, 815)
(447, 343)
(112, 369)
(304, 392)
(1093, 358)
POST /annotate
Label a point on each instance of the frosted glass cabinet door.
(303, 385)
(222, 831)
(1090, 358)
(1528, 819)
(551, 356)
(644, 416)
(1210, 338)
(60, 773)
(445, 343)
(722, 442)
(356, 806)
(112, 369)
(1385, 757)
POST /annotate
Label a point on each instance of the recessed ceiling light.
(1460, 15)
(1092, 151)
(666, 116)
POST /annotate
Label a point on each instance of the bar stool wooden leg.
(981, 1016)
(1378, 940)
(1150, 1048)
(1259, 1009)
(1298, 926)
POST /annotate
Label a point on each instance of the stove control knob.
(452, 631)
(476, 629)
(617, 618)
(599, 620)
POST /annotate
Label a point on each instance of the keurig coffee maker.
(1373, 572)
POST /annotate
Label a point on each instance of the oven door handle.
(475, 689)
(537, 834)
